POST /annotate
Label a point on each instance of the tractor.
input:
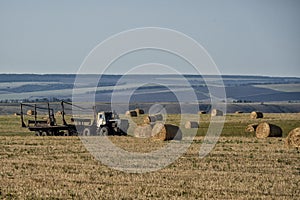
(106, 123)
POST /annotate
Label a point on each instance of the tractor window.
(100, 116)
(108, 116)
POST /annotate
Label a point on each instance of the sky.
(243, 37)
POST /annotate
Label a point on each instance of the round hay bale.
(131, 113)
(16, 114)
(51, 121)
(201, 112)
(149, 119)
(216, 112)
(144, 131)
(165, 132)
(251, 128)
(190, 124)
(159, 117)
(238, 112)
(139, 111)
(264, 130)
(256, 115)
(30, 112)
(293, 138)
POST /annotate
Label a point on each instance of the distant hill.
(147, 88)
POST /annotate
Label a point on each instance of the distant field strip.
(281, 87)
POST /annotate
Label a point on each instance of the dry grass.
(60, 167)
(239, 167)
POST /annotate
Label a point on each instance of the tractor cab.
(103, 118)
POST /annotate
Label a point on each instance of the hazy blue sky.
(243, 36)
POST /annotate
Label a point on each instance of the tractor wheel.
(104, 131)
(86, 132)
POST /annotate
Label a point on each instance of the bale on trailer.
(256, 115)
(265, 130)
(165, 132)
(131, 113)
(139, 111)
(149, 119)
(190, 124)
(143, 131)
(59, 113)
(30, 112)
(251, 128)
(201, 112)
(216, 112)
(293, 138)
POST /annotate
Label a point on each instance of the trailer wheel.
(104, 131)
(37, 133)
(66, 133)
(86, 132)
(44, 133)
(71, 132)
(50, 133)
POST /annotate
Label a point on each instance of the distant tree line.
(247, 101)
(37, 100)
(242, 101)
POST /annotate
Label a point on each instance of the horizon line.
(150, 74)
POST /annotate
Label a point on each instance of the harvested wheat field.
(240, 166)
(60, 167)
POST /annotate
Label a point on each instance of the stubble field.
(239, 167)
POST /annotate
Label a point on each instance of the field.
(239, 167)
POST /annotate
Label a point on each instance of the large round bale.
(256, 115)
(293, 138)
(158, 117)
(190, 124)
(251, 128)
(16, 114)
(143, 131)
(216, 112)
(30, 112)
(131, 113)
(165, 132)
(238, 112)
(149, 119)
(139, 111)
(265, 130)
